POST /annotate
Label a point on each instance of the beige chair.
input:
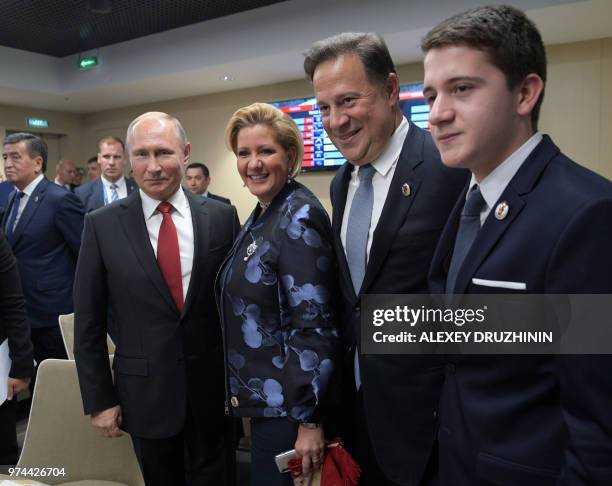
(59, 435)
(66, 323)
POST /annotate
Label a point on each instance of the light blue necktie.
(114, 193)
(469, 225)
(358, 226)
(358, 229)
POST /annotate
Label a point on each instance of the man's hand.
(107, 422)
(15, 386)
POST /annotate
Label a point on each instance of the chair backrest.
(59, 434)
(66, 322)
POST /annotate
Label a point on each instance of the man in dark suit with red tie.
(151, 259)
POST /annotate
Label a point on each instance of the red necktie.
(168, 255)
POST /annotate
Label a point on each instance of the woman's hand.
(310, 446)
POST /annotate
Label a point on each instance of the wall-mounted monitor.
(319, 152)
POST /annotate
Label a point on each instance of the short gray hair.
(369, 47)
(158, 115)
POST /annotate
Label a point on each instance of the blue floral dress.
(276, 291)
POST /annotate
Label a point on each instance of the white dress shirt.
(181, 216)
(385, 168)
(29, 189)
(108, 192)
(493, 185)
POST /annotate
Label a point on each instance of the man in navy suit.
(112, 184)
(197, 180)
(390, 400)
(43, 224)
(541, 226)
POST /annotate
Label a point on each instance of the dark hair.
(92, 159)
(198, 165)
(112, 139)
(35, 146)
(370, 48)
(511, 41)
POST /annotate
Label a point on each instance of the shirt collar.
(178, 200)
(108, 183)
(392, 151)
(493, 185)
(29, 189)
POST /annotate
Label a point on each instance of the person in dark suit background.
(43, 224)
(151, 259)
(93, 168)
(390, 200)
(197, 180)
(14, 327)
(530, 221)
(65, 174)
(112, 184)
(6, 188)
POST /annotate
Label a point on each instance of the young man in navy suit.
(386, 225)
(43, 224)
(542, 226)
(112, 184)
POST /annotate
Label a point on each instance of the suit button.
(435, 414)
(358, 311)
(234, 401)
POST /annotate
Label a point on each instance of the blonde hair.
(286, 132)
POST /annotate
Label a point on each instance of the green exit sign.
(37, 123)
(88, 62)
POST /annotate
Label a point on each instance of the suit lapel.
(443, 253)
(130, 185)
(397, 204)
(30, 209)
(135, 228)
(493, 229)
(338, 197)
(97, 196)
(201, 243)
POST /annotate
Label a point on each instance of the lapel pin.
(501, 211)
(406, 189)
(35, 198)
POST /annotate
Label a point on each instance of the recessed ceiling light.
(227, 78)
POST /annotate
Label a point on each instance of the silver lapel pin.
(501, 211)
(406, 191)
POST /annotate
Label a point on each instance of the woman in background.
(275, 293)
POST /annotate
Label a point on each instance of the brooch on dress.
(252, 248)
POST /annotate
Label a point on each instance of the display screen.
(319, 152)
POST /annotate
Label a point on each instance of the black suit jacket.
(163, 357)
(219, 198)
(400, 393)
(532, 420)
(13, 321)
(92, 193)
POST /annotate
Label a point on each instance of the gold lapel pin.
(501, 211)
(406, 189)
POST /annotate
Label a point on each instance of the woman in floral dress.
(276, 290)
